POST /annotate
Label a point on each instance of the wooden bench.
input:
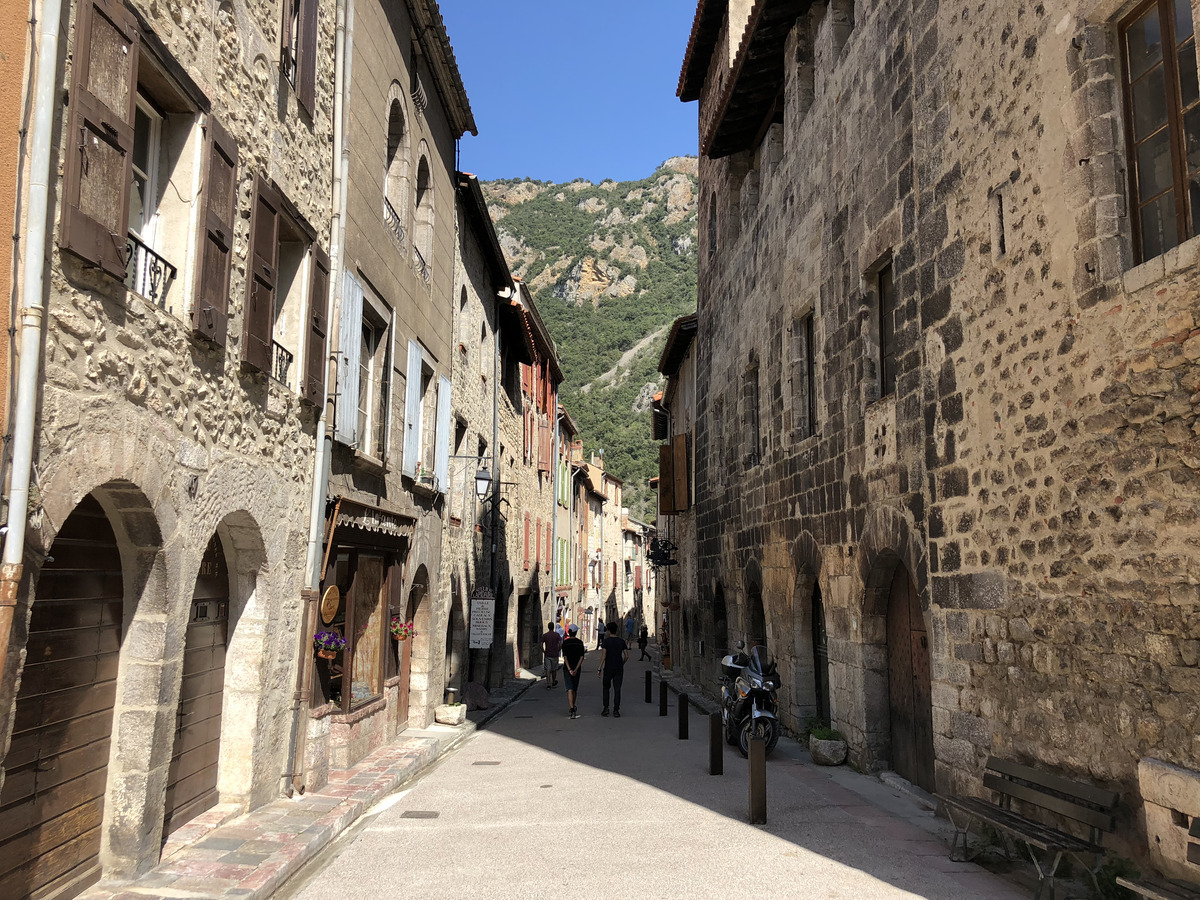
(1154, 889)
(1083, 803)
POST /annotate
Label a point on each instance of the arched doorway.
(415, 653)
(909, 686)
(192, 777)
(52, 803)
(820, 648)
(756, 629)
(456, 637)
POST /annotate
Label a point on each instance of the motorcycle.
(749, 684)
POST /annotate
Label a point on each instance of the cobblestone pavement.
(216, 857)
(607, 807)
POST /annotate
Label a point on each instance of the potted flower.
(328, 644)
(402, 630)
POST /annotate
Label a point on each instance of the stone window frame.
(1186, 221)
(752, 412)
(802, 368)
(872, 382)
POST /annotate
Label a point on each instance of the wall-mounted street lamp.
(483, 481)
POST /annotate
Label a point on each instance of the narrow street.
(539, 805)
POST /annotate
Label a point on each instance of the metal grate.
(419, 814)
(486, 762)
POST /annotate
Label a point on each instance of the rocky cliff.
(611, 265)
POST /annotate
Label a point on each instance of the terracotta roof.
(755, 80)
(706, 28)
(427, 17)
(683, 332)
(512, 317)
(537, 329)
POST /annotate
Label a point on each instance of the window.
(886, 293)
(712, 226)
(364, 371)
(298, 50)
(423, 221)
(427, 414)
(137, 147)
(750, 404)
(1162, 112)
(286, 291)
(395, 179)
(804, 388)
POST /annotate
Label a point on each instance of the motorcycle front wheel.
(766, 730)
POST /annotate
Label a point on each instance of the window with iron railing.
(281, 365)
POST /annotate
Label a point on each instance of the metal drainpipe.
(500, 295)
(40, 158)
(554, 520)
(301, 696)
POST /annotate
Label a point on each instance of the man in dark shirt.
(551, 645)
(573, 653)
(612, 668)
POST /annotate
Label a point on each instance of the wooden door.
(820, 656)
(192, 778)
(911, 707)
(53, 798)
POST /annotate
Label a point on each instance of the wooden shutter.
(441, 445)
(306, 65)
(349, 351)
(549, 548)
(98, 169)
(526, 541)
(544, 446)
(680, 464)
(218, 205)
(666, 480)
(259, 314)
(312, 388)
(537, 546)
(412, 413)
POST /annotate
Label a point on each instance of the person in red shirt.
(551, 647)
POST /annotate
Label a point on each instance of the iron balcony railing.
(394, 224)
(281, 362)
(422, 266)
(146, 272)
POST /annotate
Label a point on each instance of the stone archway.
(456, 638)
(809, 682)
(756, 613)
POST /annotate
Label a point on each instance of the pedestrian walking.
(629, 627)
(599, 633)
(612, 669)
(573, 653)
(643, 640)
(551, 646)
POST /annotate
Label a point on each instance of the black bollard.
(648, 698)
(683, 705)
(716, 749)
(662, 698)
(758, 782)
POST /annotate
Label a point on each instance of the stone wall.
(1035, 470)
(179, 443)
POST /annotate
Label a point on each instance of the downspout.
(554, 519)
(301, 696)
(32, 312)
(502, 294)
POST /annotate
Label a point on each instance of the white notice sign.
(483, 614)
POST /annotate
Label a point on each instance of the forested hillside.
(611, 265)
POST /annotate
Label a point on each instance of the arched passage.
(52, 805)
(756, 613)
(456, 637)
(420, 613)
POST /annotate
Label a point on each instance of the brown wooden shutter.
(679, 444)
(537, 547)
(312, 388)
(306, 65)
(527, 541)
(543, 446)
(259, 314)
(218, 204)
(666, 480)
(98, 169)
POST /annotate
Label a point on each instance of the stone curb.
(252, 856)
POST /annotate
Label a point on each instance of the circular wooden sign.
(330, 602)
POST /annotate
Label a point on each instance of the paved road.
(542, 806)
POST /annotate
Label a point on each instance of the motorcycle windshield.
(760, 660)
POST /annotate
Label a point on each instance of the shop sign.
(483, 614)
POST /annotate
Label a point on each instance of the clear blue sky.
(563, 89)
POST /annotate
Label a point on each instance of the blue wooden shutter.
(441, 455)
(412, 412)
(349, 349)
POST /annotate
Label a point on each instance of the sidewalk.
(252, 855)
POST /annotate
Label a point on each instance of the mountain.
(610, 265)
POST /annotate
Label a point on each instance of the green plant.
(1106, 879)
(825, 733)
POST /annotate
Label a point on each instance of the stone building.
(175, 199)
(947, 428)
(637, 578)
(392, 337)
(673, 417)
